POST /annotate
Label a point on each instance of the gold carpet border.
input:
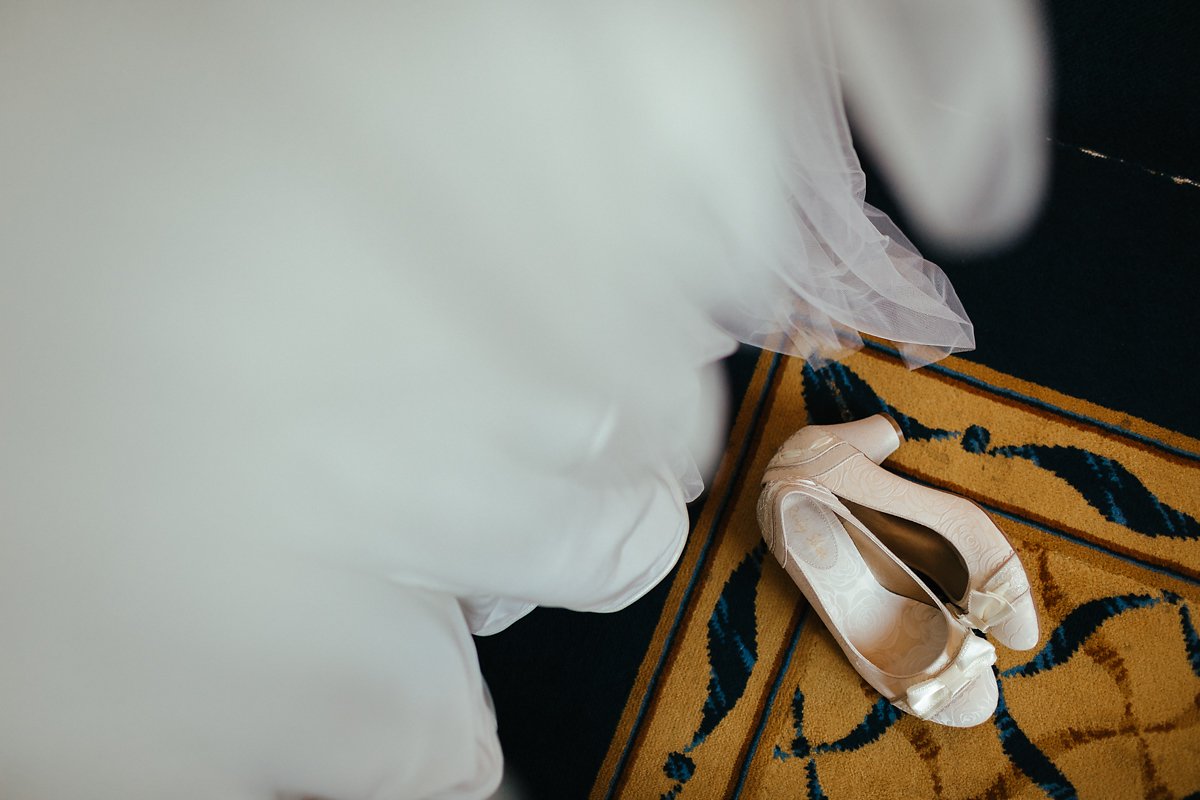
(739, 465)
(751, 414)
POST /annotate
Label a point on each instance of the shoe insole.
(896, 633)
(918, 546)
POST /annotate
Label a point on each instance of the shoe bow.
(929, 697)
(988, 608)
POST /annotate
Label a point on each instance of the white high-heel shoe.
(945, 537)
(896, 633)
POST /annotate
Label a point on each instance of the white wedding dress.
(333, 333)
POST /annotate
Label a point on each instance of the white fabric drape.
(332, 332)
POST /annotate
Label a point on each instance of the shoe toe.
(1020, 630)
(973, 706)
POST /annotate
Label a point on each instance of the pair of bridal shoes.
(867, 548)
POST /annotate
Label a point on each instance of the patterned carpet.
(742, 692)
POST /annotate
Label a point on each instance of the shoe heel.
(876, 437)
